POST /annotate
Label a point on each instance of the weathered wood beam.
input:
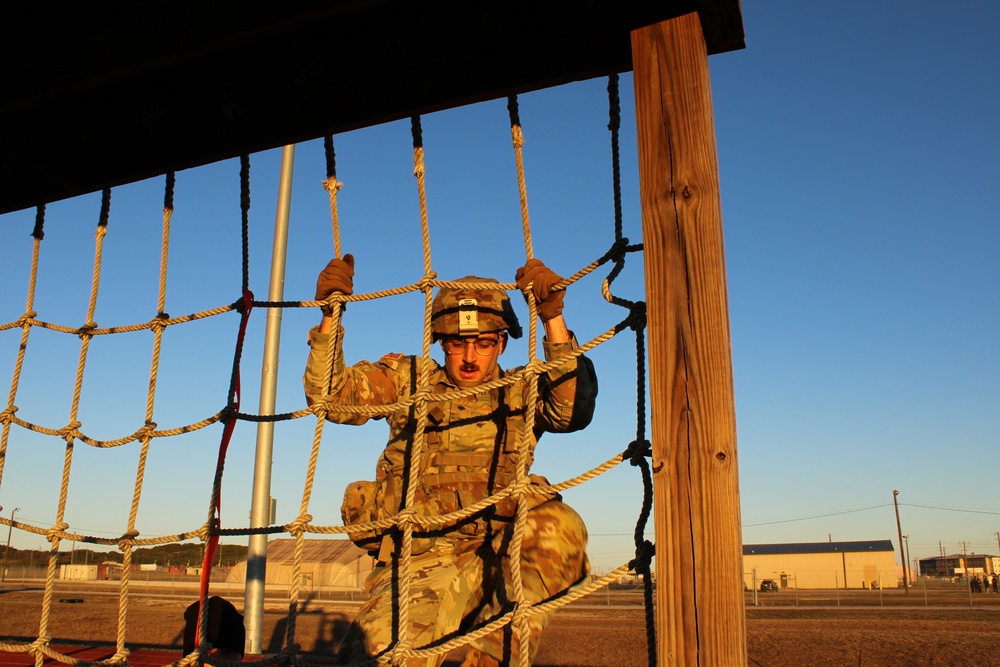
(699, 592)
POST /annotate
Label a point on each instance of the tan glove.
(338, 276)
(542, 278)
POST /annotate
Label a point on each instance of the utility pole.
(10, 529)
(902, 556)
(906, 539)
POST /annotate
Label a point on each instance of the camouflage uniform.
(460, 575)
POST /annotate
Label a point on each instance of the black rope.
(614, 123)
(331, 157)
(38, 232)
(245, 211)
(643, 548)
(246, 299)
(168, 192)
(640, 449)
(105, 207)
(512, 109)
(417, 132)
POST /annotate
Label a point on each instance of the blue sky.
(858, 156)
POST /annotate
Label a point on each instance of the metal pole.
(906, 541)
(10, 529)
(902, 556)
(260, 506)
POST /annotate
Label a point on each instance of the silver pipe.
(260, 504)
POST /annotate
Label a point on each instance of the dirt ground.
(580, 636)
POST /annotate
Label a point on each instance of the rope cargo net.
(407, 520)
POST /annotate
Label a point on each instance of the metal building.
(862, 564)
(332, 564)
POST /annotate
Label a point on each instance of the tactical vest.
(470, 453)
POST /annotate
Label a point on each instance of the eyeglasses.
(483, 346)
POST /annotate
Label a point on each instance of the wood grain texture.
(698, 539)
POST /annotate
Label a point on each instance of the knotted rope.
(407, 520)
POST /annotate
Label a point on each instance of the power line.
(815, 516)
(953, 509)
(865, 509)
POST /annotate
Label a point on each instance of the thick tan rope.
(406, 522)
(522, 187)
(25, 331)
(74, 408)
(146, 438)
(303, 524)
(407, 514)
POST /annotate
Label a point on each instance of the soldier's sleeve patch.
(391, 359)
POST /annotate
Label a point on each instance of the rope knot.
(26, 318)
(41, 642)
(407, 515)
(637, 316)
(127, 538)
(643, 558)
(121, 656)
(87, 329)
(145, 430)
(52, 534)
(637, 452)
(425, 282)
(332, 302)
(70, 431)
(204, 533)
(531, 368)
(228, 412)
(618, 250)
(159, 322)
(332, 185)
(421, 395)
(298, 526)
(7, 416)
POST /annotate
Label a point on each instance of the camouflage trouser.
(463, 582)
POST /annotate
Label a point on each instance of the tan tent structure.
(326, 564)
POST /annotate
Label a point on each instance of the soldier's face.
(469, 363)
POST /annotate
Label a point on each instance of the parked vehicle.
(768, 585)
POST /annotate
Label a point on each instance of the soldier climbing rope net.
(73, 432)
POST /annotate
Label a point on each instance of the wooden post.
(699, 594)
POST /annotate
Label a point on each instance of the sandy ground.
(580, 636)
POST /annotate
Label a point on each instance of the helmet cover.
(472, 311)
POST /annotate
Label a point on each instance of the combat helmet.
(471, 311)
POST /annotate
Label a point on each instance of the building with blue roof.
(856, 564)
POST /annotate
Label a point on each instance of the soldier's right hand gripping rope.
(338, 276)
(541, 278)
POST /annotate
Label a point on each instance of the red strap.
(227, 434)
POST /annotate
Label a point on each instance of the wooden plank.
(97, 96)
(699, 592)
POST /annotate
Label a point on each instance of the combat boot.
(476, 658)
